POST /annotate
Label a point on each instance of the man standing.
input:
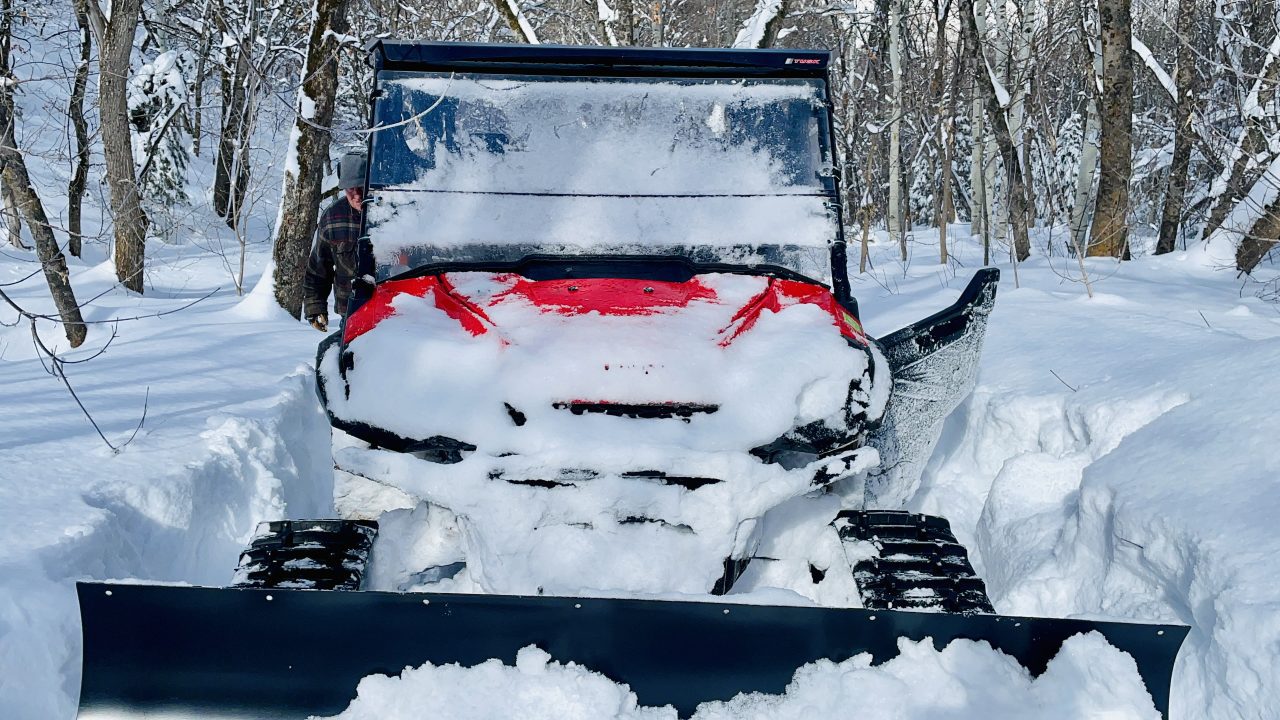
(333, 257)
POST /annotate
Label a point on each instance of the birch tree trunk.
(1085, 173)
(115, 40)
(998, 212)
(1185, 79)
(308, 149)
(988, 153)
(896, 233)
(1088, 164)
(12, 217)
(607, 17)
(1109, 234)
(1022, 73)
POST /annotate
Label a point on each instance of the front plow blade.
(170, 652)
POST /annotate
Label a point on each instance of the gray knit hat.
(351, 170)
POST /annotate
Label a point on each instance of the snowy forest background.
(1058, 127)
(1117, 459)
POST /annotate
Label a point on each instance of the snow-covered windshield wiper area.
(484, 168)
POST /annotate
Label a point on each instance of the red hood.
(484, 295)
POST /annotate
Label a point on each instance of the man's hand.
(319, 322)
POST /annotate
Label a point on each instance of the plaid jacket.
(333, 259)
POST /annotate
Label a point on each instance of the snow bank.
(1140, 482)
(1088, 679)
(233, 436)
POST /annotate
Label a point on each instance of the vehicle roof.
(611, 61)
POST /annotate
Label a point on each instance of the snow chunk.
(1088, 678)
(538, 688)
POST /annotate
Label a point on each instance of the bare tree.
(231, 167)
(17, 182)
(1109, 234)
(75, 110)
(1087, 167)
(896, 229)
(116, 38)
(979, 198)
(203, 52)
(1264, 231)
(1231, 184)
(944, 132)
(1171, 215)
(296, 223)
(996, 101)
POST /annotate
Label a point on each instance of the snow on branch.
(1252, 105)
(1251, 110)
(519, 24)
(1144, 52)
(1002, 94)
(756, 28)
(1260, 199)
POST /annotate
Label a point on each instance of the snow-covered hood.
(720, 362)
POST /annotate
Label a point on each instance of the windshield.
(480, 168)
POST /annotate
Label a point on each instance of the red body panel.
(782, 293)
(606, 296)
(378, 308)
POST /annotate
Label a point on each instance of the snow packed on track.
(1115, 462)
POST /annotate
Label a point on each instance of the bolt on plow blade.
(171, 652)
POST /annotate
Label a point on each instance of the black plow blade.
(153, 651)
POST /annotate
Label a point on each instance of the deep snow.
(1139, 482)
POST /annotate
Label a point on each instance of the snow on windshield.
(481, 168)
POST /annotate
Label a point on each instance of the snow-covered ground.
(1116, 461)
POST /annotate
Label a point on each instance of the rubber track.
(310, 554)
(921, 566)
